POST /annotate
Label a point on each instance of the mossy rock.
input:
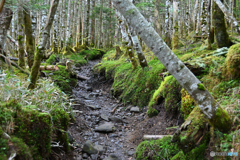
(35, 128)
(148, 149)
(61, 122)
(187, 103)
(194, 131)
(169, 91)
(232, 67)
(151, 112)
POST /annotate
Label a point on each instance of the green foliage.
(152, 112)
(156, 149)
(187, 104)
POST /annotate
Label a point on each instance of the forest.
(119, 79)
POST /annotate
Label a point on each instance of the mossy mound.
(156, 149)
(92, 54)
(169, 91)
(63, 79)
(51, 59)
(134, 86)
(187, 103)
(232, 67)
(33, 130)
(193, 132)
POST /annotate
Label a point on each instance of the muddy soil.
(94, 106)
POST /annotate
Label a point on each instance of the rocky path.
(98, 132)
(101, 134)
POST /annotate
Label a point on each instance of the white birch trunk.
(176, 67)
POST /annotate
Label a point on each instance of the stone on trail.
(90, 148)
(135, 109)
(106, 127)
(104, 117)
(93, 107)
(112, 157)
(116, 119)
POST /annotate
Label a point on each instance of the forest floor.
(93, 107)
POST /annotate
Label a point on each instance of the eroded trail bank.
(104, 127)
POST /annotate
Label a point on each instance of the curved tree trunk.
(41, 47)
(181, 73)
(5, 21)
(1, 5)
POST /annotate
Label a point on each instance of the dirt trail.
(93, 106)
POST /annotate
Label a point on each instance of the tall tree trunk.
(228, 14)
(220, 30)
(210, 29)
(93, 24)
(30, 39)
(41, 47)
(5, 21)
(1, 5)
(21, 60)
(88, 22)
(182, 74)
(100, 41)
(175, 38)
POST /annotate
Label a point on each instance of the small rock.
(104, 117)
(85, 155)
(89, 89)
(115, 119)
(88, 148)
(100, 149)
(112, 157)
(135, 109)
(94, 156)
(130, 153)
(96, 113)
(93, 107)
(113, 135)
(106, 127)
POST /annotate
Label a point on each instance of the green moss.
(187, 103)
(162, 147)
(61, 122)
(201, 87)
(51, 59)
(23, 151)
(169, 90)
(231, 67)
(35, 129)
(131, 86)
(221, 120)
(193, 131)
(3, 146)
(152, 112)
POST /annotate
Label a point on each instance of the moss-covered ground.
(151, 86)
(30, 120)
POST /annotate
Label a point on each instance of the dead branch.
(82, 77)
(49, 67)
(154, 136)
(15, 65)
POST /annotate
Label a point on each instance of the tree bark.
(228, 14)
(220, 30)
(1, 5)
(5, 21)
(30, 39)
(21, 60)
(41, 47)
(181, 73)
(92, 25)
(175, 38)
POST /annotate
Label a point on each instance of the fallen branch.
(49, 67)
(114, 109)
(82, 78)
(154, 136)
(14, 64)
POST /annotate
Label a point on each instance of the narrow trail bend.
(93, 106)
